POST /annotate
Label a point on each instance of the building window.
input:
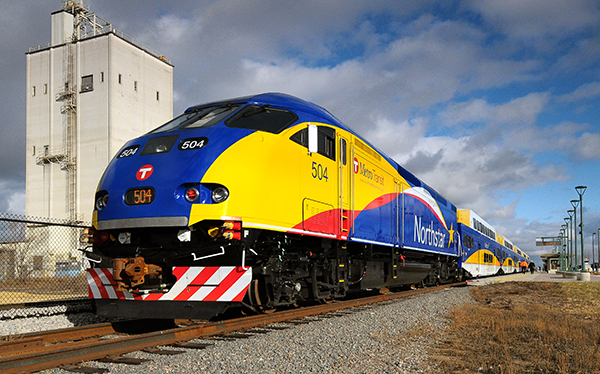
(45, 88)
(32, 90)
(101, 76)
(135, 85)
(120, 79)
(33, 150)
(157, 96)
(38, 262)
(87, 83)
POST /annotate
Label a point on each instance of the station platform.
(551, 276)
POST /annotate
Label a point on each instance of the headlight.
(220, 194)
(101, 200)
(192, 194)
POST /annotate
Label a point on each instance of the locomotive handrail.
(84, 251)
(209, 256)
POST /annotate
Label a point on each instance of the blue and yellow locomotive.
(262, 202)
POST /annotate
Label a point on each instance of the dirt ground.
(524, 327)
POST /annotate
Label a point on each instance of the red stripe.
(204, 275)
(153, 296)
(98, 281)
(90, 294)
(108, 274)
(111, 281)
(241, 295)
(225, 284)
(179, 271)
(186, 293)
(200, 279)
(381, 201)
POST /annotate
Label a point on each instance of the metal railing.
(39, 259)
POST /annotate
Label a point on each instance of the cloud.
(522, 233)
(521, 110)
(566, 138)
(531, 19)
(588, 146)
(13, 197)
(516, 122)
(392, 137)
(585, 91)
(474, 174)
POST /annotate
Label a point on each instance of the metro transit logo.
(144, 172)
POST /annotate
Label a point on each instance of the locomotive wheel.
(256, 299)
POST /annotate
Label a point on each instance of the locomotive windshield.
(203, 118)
(262, 118)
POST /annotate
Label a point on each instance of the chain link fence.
(40, 261)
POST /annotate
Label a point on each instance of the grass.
(15, 291)
(524, 327)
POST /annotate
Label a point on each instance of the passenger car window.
(262, 118)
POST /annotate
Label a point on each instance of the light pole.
(575, 203)
(581, 190)
(570, 262)
(564, 241)
(593, 257)
(598, 245)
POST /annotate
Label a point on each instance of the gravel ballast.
(390, 337)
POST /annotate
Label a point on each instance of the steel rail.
(47, 357)
(32, 341)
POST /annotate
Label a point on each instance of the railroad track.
(66, 347)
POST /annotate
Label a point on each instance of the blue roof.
(276, 99)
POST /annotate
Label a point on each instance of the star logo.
(451, 232)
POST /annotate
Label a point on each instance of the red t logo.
(144, 173)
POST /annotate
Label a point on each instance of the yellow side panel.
(261, 173)
(477, 258)
(464, 216)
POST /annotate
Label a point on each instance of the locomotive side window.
(301, 137)
(326, 140)
(262, 118)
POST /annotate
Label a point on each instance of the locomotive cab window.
(198, 118)
(326, 140)
(262, 118)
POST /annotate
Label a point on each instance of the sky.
(495, 104)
